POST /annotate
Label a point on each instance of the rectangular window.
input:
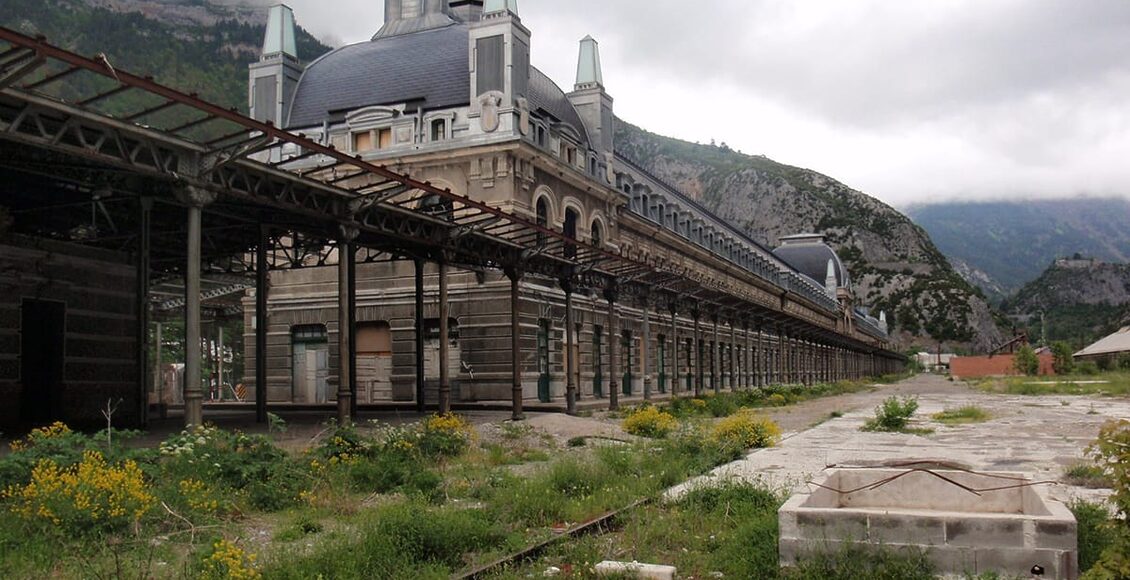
(439, 131)
(490, 63)
(362, 141)
(384, 138)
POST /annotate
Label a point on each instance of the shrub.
(229, 562)
(893, 414)
(1111, 451)
(650, 422)
(55, 442)
(92, 495)
(1063, 359)
(745, 430)
(1026, 362)
(249, 464)
(445, 435)
(1124, 362)
(1087, 367)
(1095, 531)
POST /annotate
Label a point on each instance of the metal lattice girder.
(170, 148)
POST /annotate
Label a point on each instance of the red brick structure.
(972, 367)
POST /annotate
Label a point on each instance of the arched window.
(597, 235)
(570, 231)
(543, 219)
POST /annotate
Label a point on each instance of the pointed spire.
(280, 38)
(492, 6)
(830, 283)
(588, 65)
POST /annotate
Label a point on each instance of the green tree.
(1026, 361)
(1063, 360)
(1111, 451)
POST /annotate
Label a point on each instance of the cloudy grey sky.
(908, 100)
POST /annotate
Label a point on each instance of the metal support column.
(516, 393)
(421, 394)
(351, 263)
(715, 366)
(645, 352)
(570, 362)
(613, 346)
(444, 342)
(733, 357)
(145, 206)
(697, 356)
(193, 394)
(344, 321)
(674, 352)
(158, 384)
(261, 289)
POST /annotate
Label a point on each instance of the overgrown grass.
(727, 403)
(962, 415)
(729, 531)
(1088, 475)
(1116, 383)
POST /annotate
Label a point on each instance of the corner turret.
(594, 104)
(272, 80)
(500, 69)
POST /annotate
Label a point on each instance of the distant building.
(1110, 348)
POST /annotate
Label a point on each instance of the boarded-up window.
(266, 99)
(374, 338)
(489, 64)
(363, 141)
(385, 138)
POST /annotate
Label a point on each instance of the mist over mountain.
(1001, 246)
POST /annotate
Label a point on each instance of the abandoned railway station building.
(446, 92)
(424, 218)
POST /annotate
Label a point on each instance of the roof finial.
(588, 65)
(280, 37)
(830, 283)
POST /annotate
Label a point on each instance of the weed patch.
(962, 415)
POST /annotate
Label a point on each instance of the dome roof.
(428, 67)
(809, 255)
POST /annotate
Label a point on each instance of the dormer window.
(373, 139)
(439, 130)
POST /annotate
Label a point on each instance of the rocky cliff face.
(894, 265)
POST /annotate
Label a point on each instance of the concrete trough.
(1008, 531)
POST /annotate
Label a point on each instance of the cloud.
(909, 101)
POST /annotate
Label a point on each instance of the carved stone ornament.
(347, 233)
(524, 116)
(489, 119)
(609, 170)
(196, 196)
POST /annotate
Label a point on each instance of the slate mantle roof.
(428, 68)
(810, 258)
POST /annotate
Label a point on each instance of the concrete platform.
(963, 531)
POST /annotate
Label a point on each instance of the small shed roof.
(1115, 343)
